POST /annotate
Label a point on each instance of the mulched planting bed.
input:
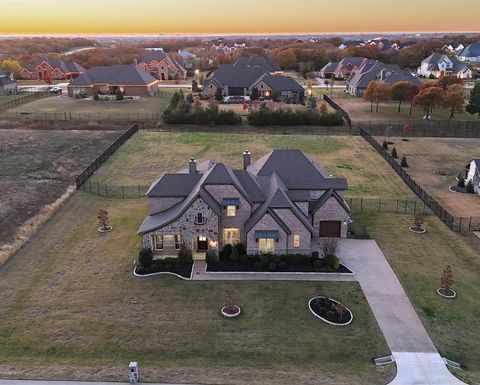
(237, 266)
(184, 271)
(462, 190)
(331, 310)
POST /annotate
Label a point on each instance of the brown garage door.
(330, 229)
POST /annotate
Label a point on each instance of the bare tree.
(329, 247)
(446, 281)
(103, 218)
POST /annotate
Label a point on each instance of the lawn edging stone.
(324, 319)
(234, 314)
(452, 296)
(414, 230)
(106, 229)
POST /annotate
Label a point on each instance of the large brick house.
(282, 203)
(161, 66)
(249, 72)
(106, 80)
(47, 68)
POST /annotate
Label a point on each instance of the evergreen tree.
(473, 106)
(394, 153)
(469, 187)
(254, 94)
(404, 162)
(219, 94)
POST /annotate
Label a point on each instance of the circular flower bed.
(417, 229)
(105, 229)
(231, 311)
(448, 293)
(330, 311)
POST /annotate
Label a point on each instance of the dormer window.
(231, 205)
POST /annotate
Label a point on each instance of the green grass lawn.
(147, 155)
(70, 307)
(64, 103)
(418, 261)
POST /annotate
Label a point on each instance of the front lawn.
(71, 308)
(418, 261)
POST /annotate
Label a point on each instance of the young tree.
(323, 108)
(446, 280)
(403, 161)
(254, 95)
(399, 92)
(385, 145)
(219, 94)
(446, 81)
(370, 94)
(394, 153)
(410, 93)
(454, 101)
(377, 92)
(103, 218)
(473, 106)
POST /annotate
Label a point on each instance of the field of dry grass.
(70, 307)
(435, 163)
(359, 109)
(36, 168)
(147, 155)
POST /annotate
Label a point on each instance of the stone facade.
(297, 228)
(243, 211)
(186, 226)
(331, 211)
(267, 223)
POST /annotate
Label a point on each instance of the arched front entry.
(201, 245)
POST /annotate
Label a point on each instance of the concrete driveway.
(417, 359)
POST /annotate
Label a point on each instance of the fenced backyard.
(18, 100)
(457, 224)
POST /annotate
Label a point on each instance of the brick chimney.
(192, 166)
(246, 159)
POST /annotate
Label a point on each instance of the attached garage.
(330, 229)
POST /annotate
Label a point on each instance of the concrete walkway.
(199, 274)
(417, 359)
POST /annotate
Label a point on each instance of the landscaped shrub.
(315, 255)
(95, 96)
(145, 257)
(265, 259)
(212, 257)
(272, 266)
(404, 162)
(288, 117)
(235, 255)
(227, 251)
(258, 265)
(200, 115)
(332, 261)
(241, 248)
(283, 265)
(461, 182)
(296, 259)
(385, 145)
(319, 263)
(394, 153)
(276, 258)
(184, 255)
(118, 94)
(469, 187)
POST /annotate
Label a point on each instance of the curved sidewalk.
(417, 359)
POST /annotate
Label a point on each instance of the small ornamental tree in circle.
(446, 281)
(418, 222)
(103, 219)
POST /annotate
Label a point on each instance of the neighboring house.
(373, 70)
(106, 80)
(438, 64)
(470, 53)
(342, 69)
(246, 73)
(48, 68)
(161, 66)
(283, 86)
(351, 43)
(472, 172)
(8, 84)
(186, 55)
(282, 203)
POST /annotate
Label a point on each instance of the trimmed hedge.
(211, 115)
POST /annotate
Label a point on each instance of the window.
(296, 241)
(199, 219)
(178, 241)
(158, 240)
(231, 236)
(231, 210)
(169, 241)
(266, 245)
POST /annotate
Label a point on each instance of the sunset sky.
(230, 16)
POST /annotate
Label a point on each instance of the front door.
(202, 244)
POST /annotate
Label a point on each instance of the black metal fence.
(420, 128)
(398, 206)
(338, 109)
(112, 191)
(85, 174)
(454, 223)
(81, 116)
(22, 99)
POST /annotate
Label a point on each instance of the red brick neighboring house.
(161, 66)
(106, 80)
(47, 68)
